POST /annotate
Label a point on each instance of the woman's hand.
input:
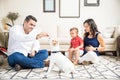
(90, 48)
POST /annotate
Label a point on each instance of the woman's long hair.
(93, 27)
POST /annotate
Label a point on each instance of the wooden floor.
(108, 68)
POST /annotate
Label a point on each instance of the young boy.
(76, 46)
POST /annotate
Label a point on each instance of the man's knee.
(15, 56)
(15, 53)
(12, 59)
(12, 56)
(44, 52)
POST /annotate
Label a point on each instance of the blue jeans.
(26, 62)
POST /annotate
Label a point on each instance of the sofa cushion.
(44, 41)
(107, 32)
(64, 31)
(50, 29)
(64, 40)
(118, 30)
(107, 35)
(109, 41)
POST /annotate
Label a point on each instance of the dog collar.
(55, 51)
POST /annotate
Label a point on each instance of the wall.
(107, 14)
(0, 15)
(0, 10)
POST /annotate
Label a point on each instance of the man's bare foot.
(17, 67)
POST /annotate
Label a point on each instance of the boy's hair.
(74, 28)
(29, 17)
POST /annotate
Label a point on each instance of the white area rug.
(108, 68)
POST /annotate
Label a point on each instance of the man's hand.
(32, 54)
(42, 34)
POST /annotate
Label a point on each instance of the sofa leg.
(102, 53)
(114, 53)
(1, 60)
(118, 52)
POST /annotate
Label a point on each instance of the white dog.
(58, 59)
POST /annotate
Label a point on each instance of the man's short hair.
(29, 17)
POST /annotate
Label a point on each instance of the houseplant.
(12, 16)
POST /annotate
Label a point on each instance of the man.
(23, 46)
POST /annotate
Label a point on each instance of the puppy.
(58, 59)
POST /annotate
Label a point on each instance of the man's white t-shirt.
(21, 42)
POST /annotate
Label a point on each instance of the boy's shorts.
(80, 53)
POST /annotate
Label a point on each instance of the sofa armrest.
(3, 39)
(116, 32)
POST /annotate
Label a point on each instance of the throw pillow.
(108, 32)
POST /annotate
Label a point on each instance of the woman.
(93, 42)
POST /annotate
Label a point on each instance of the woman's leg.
(89, 56)
(81, 52)
(94, 57)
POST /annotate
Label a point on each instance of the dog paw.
(45, 77)
(46, 73)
